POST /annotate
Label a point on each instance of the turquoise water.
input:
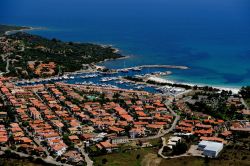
(211, 37)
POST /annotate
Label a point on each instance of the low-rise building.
(3, 116)
(210, 148)
(120, 140)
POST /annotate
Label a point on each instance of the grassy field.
(125, 158)
(231, 156)
(235, 155)
(196, 161)
(17, 162)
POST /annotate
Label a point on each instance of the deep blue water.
(212, 37)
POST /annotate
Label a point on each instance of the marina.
(112, 79)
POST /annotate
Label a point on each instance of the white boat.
(90, 76)
(136, 69)
(140, 87)
(65, 77)
(105, 79)
(124, 70)
(119, 82)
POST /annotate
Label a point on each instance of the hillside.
(4, 28)
(28, 56)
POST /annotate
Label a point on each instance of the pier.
(156, 66)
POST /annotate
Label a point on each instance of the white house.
(173, 141)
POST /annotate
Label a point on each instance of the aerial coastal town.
(52, 121)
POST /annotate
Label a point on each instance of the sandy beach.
(164, 80)
(22, 30)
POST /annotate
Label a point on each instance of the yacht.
(140, 87)
(105, 79)
(136, 69)
(124, 70)
(119, 82)
(90, 76)
(65, 77)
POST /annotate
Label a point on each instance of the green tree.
(25, 123)
(104, 161)
(180, 148)
(245, 92)
(138, 156)
(8, 152)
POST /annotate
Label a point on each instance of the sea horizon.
(215, 45)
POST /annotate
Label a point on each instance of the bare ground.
(151, 160)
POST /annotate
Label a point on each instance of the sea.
(211, 37)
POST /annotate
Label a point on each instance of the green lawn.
(124, 158)
(236, 154)
(155, 142)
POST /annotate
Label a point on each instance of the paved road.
(7, 66)
(87, 159)
(47, 160)
(244, 103)
(163, 145)
(183, 93)
(168, 157)
(191, 152)
(37, 142)
(164, 132)
(5, 59)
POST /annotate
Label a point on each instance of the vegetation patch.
(24, 53)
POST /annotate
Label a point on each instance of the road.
(244, 103)
(163, 145)
(7, 66)
(5, 59)
(166, 157)
(191, 152)
(164, 132)
(37, 142)
(87, 159)
(183, 93)
(47, 160)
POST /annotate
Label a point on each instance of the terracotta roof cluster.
(106, 145)
(240, 126)
(3, 135)
(43, 68)
(198, 127)
(18, 134)
(73, 156)
(245, 112)
(215, 139)
(47, 111)
(45, 132)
